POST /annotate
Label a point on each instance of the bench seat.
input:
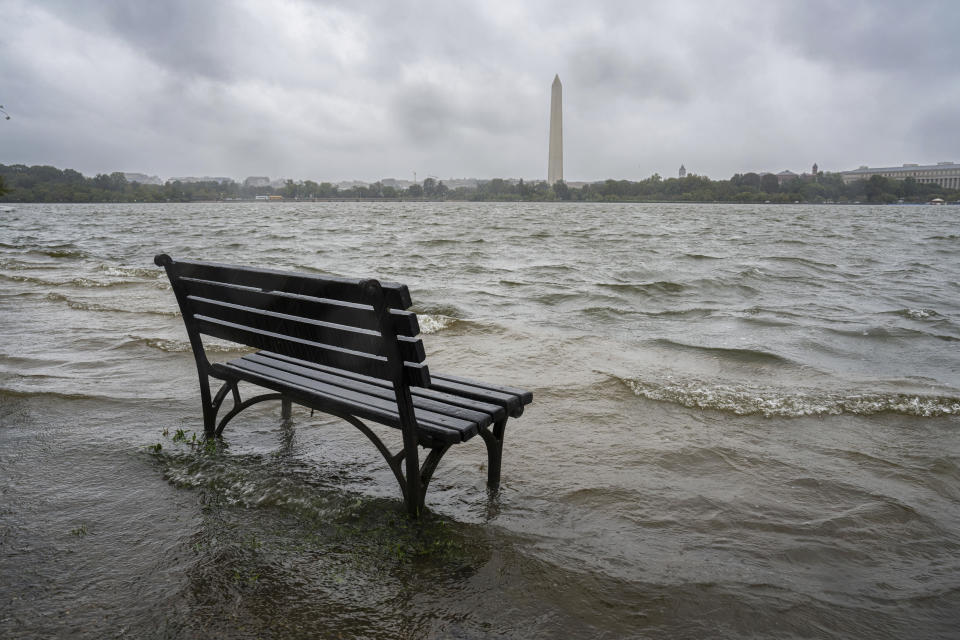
(451, 411)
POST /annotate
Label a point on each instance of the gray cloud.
(336, 90)
(915, 38)
(597, 68)
(936, 132)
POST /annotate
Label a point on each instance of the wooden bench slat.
(319, 331)
(335, 311)
(526, 397)
(380, 389)
(513, 403)
(435, 425)
(496, 411)
(397, 295)
(298, 348)
(367, 364)
(312, 398)
(423, 417)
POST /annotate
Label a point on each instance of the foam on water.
(434, 323)
(773, 402)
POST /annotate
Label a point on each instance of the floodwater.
(746, 424)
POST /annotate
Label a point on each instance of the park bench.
(345, 347)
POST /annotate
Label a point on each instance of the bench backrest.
(361, 326)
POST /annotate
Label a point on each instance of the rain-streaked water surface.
(746, 423)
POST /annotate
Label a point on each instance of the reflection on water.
(746, 424)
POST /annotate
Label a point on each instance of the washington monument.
(555, 163)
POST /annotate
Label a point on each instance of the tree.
(3, 187)
(415, 191)
(769, 183)
(429, 187)
(561, 190)
(310, 189)
(909, 187)
(750, 180)
(875, 188)
(289, 189)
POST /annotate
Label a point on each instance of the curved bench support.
(394, 460)
(494, 441)
(238, 406)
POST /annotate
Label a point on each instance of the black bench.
(342, 346)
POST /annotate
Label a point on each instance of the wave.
(439, 242)
(148, 273)
(169, 345)
(645, 288)
(618, 312)
(700, 256)
(749, 356)
(889, 333)
(771, 402)
(819, 266)
(90, 306)
(12, 264)
(558, 298)
(61, 251)
(915, 314)
(85, 283)
(57, 395)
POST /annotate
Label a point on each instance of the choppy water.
(746, 423)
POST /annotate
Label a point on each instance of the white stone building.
(945, 174)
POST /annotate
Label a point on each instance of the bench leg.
(286, 408)
(494, 441)
(427, 469)
(210, 406)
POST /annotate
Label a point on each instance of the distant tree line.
(20, 183)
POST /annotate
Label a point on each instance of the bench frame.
(395, 373)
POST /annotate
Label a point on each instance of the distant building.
(786, 176)
(945, 174)
(350, 184)
(257, 181)
(683, 171)
(815, 171)
(455, 183)
(395, 183)
(192, 179)
(142, 178)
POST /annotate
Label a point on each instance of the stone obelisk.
(555, 160)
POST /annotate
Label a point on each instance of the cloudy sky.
(308, 89)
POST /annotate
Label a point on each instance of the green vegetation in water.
(80, 531)
(204, 444)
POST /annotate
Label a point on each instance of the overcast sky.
(338, 90)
